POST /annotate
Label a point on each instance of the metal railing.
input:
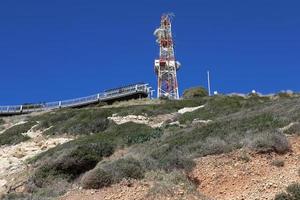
(105, 96)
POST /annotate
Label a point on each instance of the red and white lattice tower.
(166, 66)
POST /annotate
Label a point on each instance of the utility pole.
(208, 83)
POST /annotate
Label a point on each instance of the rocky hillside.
(220, 147)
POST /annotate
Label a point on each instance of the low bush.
(70, 162)
(113, 172)
(2, 121)
(221, 106)
(277, 163)
(195, 92)
(14, 135)
(96, 178)
(15, 196)
(244, 157)
(125, 168)
(74, 122)
(82, 158)
(292, 193)
(131, 133)
(167, 158)
(215, 145)
(266, 142)
(165, 184)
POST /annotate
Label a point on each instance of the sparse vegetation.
(70, 163)
(70, 160)
(270, 142)
(2, 121)
(96, 178)
(14, 134)
(278, 163)
(237, 122)
(221, 106)
(74, 122)
(292, 193)
(113, 172)
(165, 107)
(244, 157)
(195, 92)
(165, 184)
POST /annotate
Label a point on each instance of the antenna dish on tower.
(166, 66)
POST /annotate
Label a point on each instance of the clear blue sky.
(60, 49)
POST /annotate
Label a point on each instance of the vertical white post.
(208, 83)
(98, 97)
(59, 104)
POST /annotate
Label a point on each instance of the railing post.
(59, 104)
(21, 108)
(98, 97)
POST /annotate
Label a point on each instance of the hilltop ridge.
(154, 149)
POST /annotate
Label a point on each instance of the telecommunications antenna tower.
(166, 66)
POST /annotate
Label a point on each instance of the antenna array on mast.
(166, 66)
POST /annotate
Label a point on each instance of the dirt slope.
(240, 175)
(232, 177)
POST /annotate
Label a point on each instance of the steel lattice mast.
(166, 66)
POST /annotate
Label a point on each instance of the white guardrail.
(105, 96)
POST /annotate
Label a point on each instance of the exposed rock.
(13, 158)
(199, 121)
(189, 109)
(154, 122)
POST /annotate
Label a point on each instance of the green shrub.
(125, 168)
(283, 196)
(292, 193)
(165, 184)
(74, 122)
(82, 158)
(70, 162)
(167, 158)
(96, 178)
(270, 142)
(222, 106)
(72, 159)
(215, 145)
(128, 134)
(113, 172)
(131, 133)
(244, 157)
(14, 134)
(195, 92)
(14, 195)
(278, 163)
